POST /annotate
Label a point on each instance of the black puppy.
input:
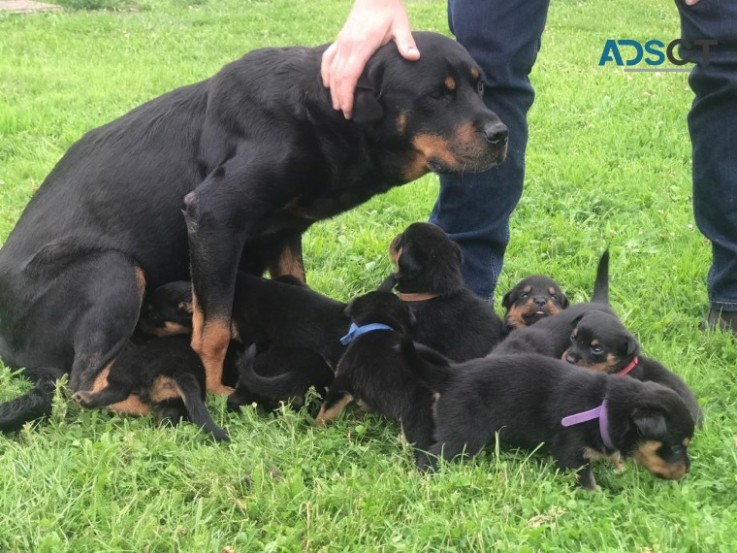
(279, 372)
(374, 373)
(279, 375)
(164, 375)
(550, 336)
(600, 342)
(449, 317)
(531, 299)
(579, 415)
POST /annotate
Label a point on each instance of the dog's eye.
(573, 337)
(597, 350)
(523, 295)
(438, 94)
(554, 297)
(480, 87)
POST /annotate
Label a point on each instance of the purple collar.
(600, 413)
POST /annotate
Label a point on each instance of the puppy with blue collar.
(374, 373)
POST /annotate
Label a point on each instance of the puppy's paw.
(222, 390)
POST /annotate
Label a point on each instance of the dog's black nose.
(541, 302)
(496, 132)
(571, 358)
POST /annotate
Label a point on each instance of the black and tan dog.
(532, 298)
(256, 155)
(449, 317)
(550, 336)
(374, 373)
(600, 342)
(277, 325)
(163, 375)
(279, 375)
(579, 415)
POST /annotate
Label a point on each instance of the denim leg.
(712, 123)
(503, 36)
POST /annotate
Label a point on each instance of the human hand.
(370, 25)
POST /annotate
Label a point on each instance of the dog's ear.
(389, 283)
(410, 265)
(563, 300)
(507, 300)
(574, 322)
(185, 307)
(367, 106)
(631, 346)
(649, 422)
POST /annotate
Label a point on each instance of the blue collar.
(355, 331)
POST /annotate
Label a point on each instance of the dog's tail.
(276, 387)
(34, 404)
(431, 368)
(601, 284)
(191, 393)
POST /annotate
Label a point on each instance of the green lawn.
(608, 164)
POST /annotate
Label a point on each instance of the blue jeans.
(503, 36)
(712, 123)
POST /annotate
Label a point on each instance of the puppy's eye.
(597, 350)
(524, 295)
(480, 87)
(573, 337)
(438, 94)
(554, 297)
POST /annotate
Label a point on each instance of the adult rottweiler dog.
(532, 298)
(600, 342)
(579, 415)
(448, 317)
(254, 156)
(163, 375)
(374, 373)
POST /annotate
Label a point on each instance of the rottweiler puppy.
(254, 155)
(600, 342)
(449, 318)
(279, 375)
(550, 336)
(163, 375)
(270, 373)
(531, 299)
(373, 371)
(579, 415)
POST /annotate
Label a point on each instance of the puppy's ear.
(507, 300)
(563, 300)
(631, 346)
(389, 283)
(185, 307)
(649, 423)
(574, 322)
(458, 253)
(367, 108)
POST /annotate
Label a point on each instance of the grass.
(608, 163)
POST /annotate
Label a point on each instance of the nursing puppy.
(163, 375)
(579, 415)
(531, 299)
(374, 372)
(449, 318)
(600, 342)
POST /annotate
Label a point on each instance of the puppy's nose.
(571, 358)
(496, 133)
(541, 302)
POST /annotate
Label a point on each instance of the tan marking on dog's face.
(515, 317)
(394, 253)
(475, 73)
(450, 83)
(607, 366)
(100, 381)
(140, 280)
(646, 455)
(328, 415)
(434, 146)
(169, 329)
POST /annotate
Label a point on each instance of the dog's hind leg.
(33, 405)
(418, 426)
(110, 287)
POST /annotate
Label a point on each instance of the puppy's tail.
(431, 368)
(191, 393)
(601, 284)
(34, 404)
(277, 387)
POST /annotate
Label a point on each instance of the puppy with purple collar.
(578, 415)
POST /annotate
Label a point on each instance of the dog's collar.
(355, 331)
(418, 296)
(600, 413)
(628, 368)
